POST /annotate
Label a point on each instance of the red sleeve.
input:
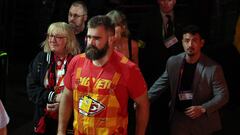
(136, 83)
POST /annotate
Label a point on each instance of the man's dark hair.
(101, 20)
(192, 29)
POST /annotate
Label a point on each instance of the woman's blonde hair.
(119, 19)
(62, 28)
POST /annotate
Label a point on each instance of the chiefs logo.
(95, 107)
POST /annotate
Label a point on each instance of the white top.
(4, 119)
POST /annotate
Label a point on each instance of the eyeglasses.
(75, 15)
(55, 36)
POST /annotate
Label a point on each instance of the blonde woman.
(46, 73)
(123, 43)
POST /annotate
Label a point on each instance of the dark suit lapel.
(176, 73)
(197, 76)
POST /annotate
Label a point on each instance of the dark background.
(23, 24)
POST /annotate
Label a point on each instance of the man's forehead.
(190, 35)
(99, 30)
(76, 8)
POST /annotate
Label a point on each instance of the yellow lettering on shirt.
(84, 81)
(103, 84)
(100, 83)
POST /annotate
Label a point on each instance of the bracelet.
(55, 98)
(51, 96)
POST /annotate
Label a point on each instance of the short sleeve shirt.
(131, 83)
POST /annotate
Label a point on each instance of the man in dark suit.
(161, 33)
(159, 44)
(197, 86)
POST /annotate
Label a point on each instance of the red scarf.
(52, 79)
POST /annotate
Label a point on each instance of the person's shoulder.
(207, 61)
(78, 57)
(175, 59)
(121, 59)
(77, 61)
(41, 56)
(177, 56)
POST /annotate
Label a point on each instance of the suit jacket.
(151, 32)
(81, 40)
(209, 89)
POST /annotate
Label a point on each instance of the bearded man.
(98, 86)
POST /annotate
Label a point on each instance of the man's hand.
(58, 97)
(52, 107)
(195, 111)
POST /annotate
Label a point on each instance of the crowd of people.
(92, 78)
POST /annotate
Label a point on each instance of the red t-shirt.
(131, 83)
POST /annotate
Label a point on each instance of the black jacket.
(36, 91)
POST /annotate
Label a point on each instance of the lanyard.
(91, 82)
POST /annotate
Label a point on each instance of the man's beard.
(93, 53)
(190, 52)
(75, 28)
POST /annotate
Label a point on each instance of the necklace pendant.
(59, 63)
